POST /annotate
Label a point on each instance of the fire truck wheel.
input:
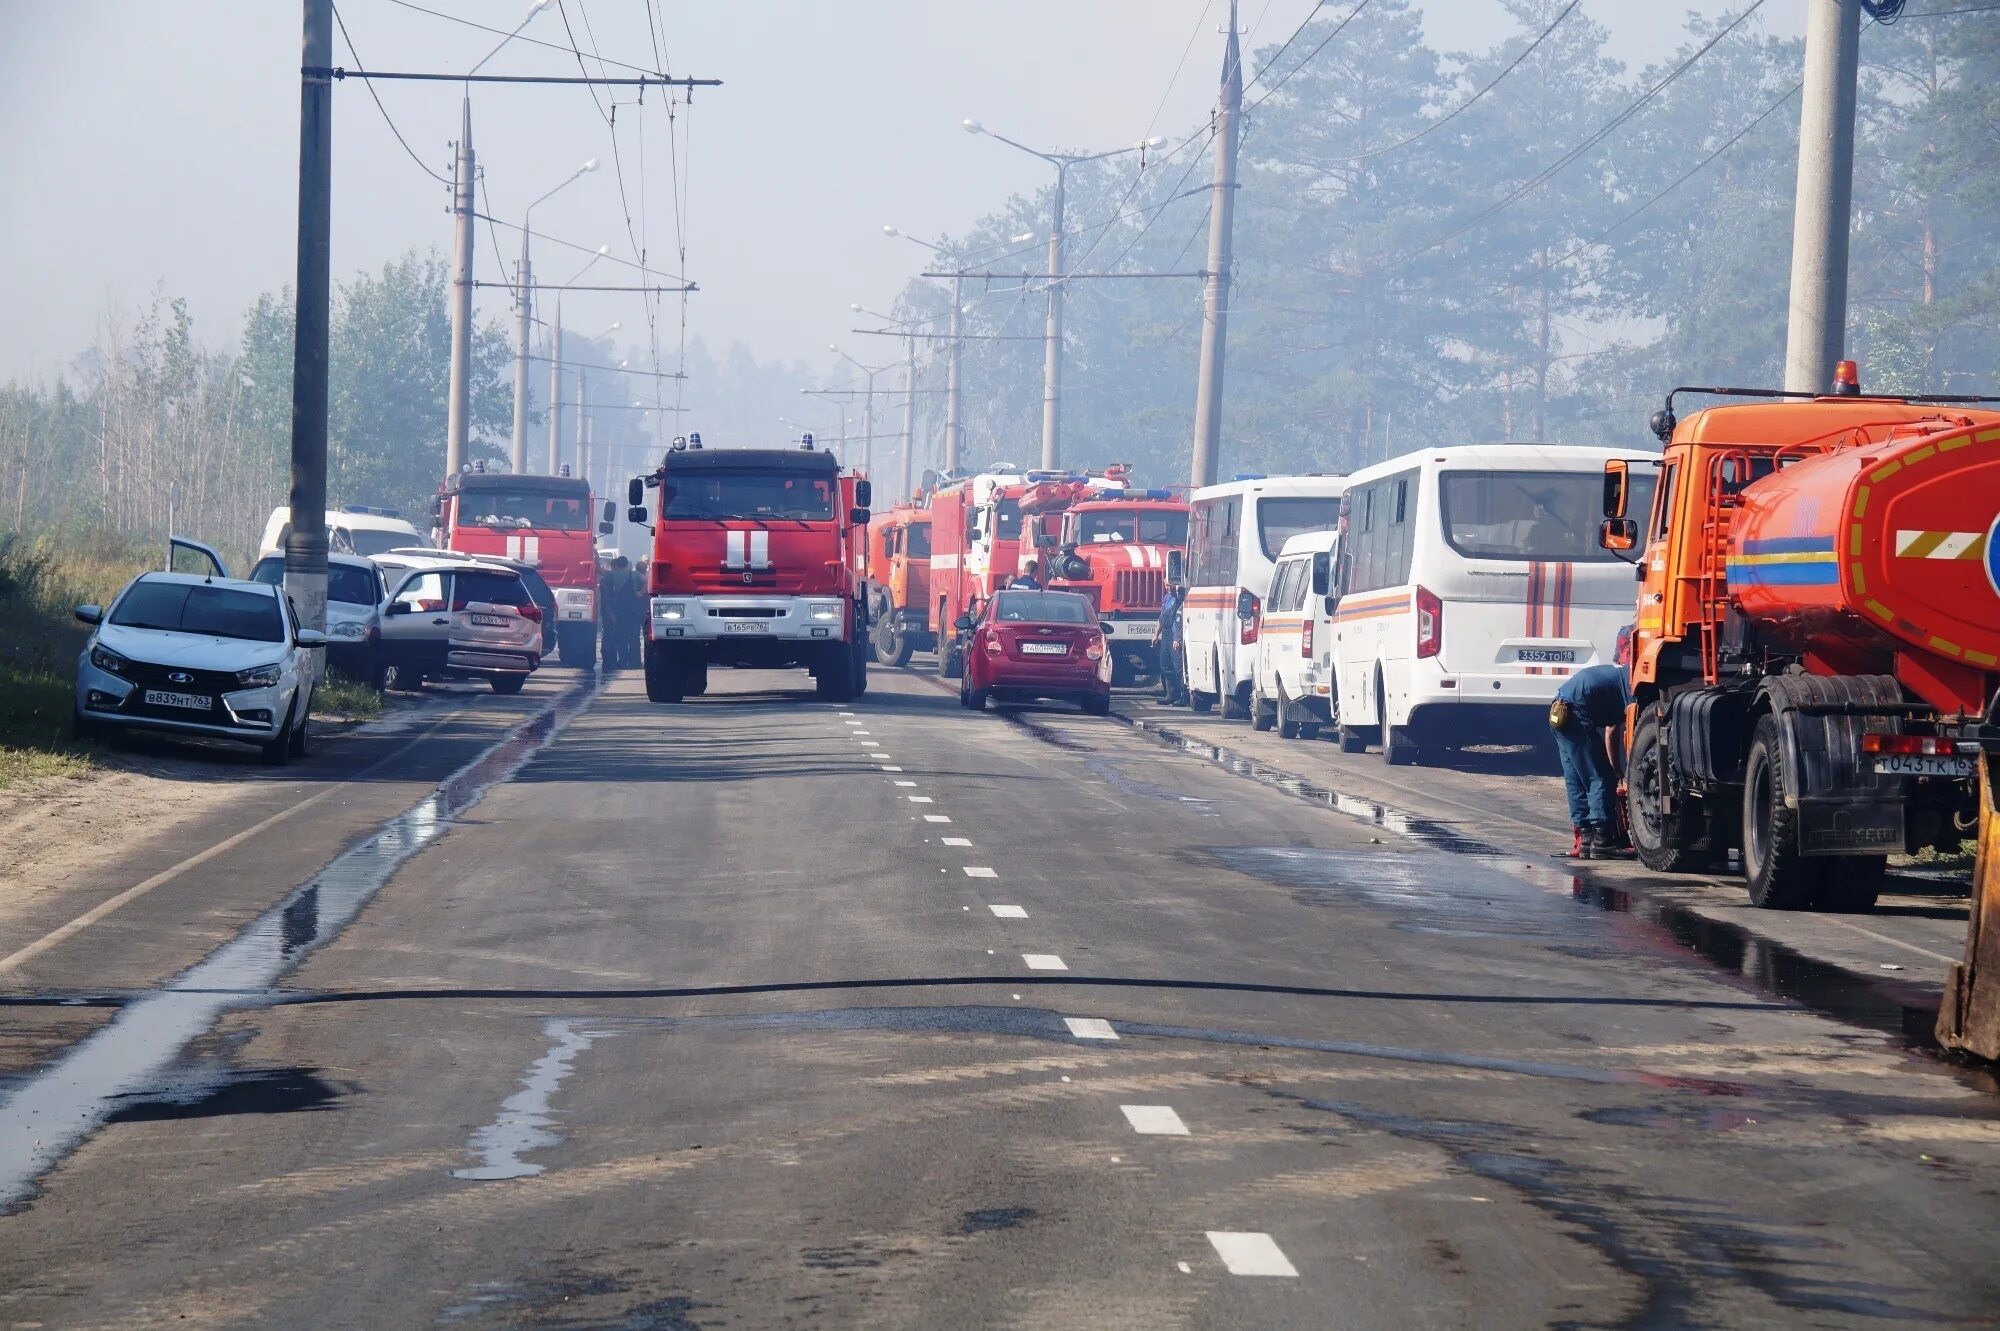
(663, 675)
(899, 655)
(577, 645)
(950, 664)
(834, 681)
(1853, 882)
(1779, 878)
(1263, 714)
(860, 669)
(1667, 845)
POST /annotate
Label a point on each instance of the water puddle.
(526, 1117)
(52, 1112)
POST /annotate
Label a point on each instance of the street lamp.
(524, 315)
(1052, 355)
(537, 7)
(868, 404)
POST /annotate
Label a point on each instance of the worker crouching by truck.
(1587, 710)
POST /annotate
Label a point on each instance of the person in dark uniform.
(1030, 579)
(1167, 638)
(1586, 707)
(638, 609)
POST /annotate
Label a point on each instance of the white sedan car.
(192, 655)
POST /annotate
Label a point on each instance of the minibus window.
(1278, 520)
(1524, 515)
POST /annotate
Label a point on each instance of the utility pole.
(1822, 214)
(953, 443)
(1215, 297)
(459, 408)
(868, 426)
(555, 389)
(909, 412)
(582, 417)
(523, 320)
(1052, 355)
(305, 543)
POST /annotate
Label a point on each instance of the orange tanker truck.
(1816, 652)
(899, 584)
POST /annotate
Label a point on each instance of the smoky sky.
(154, 146)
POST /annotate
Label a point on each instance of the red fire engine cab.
(546, 521)
(1097, 537)
(975, 548)
(757, 561)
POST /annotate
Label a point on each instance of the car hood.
(195, 651)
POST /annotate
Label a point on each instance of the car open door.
(204, 555)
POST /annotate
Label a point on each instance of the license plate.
(1044, 649)
(1916, 764)
(492, 621)
(745, 626)
(194, 702)
(1549, 655)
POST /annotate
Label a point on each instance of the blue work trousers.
(1587, 776)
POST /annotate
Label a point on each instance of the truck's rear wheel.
(577, 645)
(950, 664)
(664, 681)
(1779, 878)
(1679, 843)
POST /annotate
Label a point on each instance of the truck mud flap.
(1844, 806)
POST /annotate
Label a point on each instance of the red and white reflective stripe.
(526, 549)
(732, 548)
(760, 549)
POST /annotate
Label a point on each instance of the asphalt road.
(763, 1012)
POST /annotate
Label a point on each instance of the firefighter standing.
(1588, 704)
(1167, 638)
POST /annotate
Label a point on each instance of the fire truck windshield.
(748, 494)
(515, 509)
(1164, 527)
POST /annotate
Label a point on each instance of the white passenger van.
(354, 530)
(1291, 682)
(1235, 533)
(1470, 583)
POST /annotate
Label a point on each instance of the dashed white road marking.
(1155, 1120)
(861, 732)
(890, 769)
(979, 871)
(1089, 1028)
(1186, 1270)
(908, 784)
(956, 840)
(1010, 912)
(1251, 1254)
(878, 757)
(935, 817)
(871, 744)
(919, 799)
(1044, 961)
(847, 714)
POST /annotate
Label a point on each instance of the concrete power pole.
(1822, 214)
(909, 413)
(555, 390)
(953, 443)
(1052, 356)
(582, 425)
(868, 426)
(1215, 299)
(524, 317)
(459, 410)
(305, 544)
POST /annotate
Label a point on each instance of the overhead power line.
(516, 36)
(1338, 28)
(387, 119)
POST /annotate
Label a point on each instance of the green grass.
(341, 698)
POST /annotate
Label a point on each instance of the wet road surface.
(765, 1012)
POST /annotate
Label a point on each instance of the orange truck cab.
(1816, 649)
(899, 584)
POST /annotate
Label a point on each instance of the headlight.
(260, 677)
(348, 628)
(669, 610)
(825, 611)
(107, 660)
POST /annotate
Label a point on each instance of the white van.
(353, 530)
(1235, 533)
(1291, 676)
(1470, 583)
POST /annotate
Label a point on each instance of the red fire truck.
(975, 547)
(545, 521)
(757, 561)
(1110, 543)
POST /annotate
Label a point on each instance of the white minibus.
(1234, 535)
(1470, 583)
(1291, 682)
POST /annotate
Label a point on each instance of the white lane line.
(979, 871)
(1251, 1254)
(1089, 1028)
(1043, 961)
(878, 757)
(891, 769)
(920, 799)
(911, 785)
(956, 840)
(871, 744)
(847, 714)
(1155, 1120)
(934, 817)
(1010, 912)
(861, 732)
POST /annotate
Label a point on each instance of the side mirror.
(607, 527)
(1618, 534)
(1045, 540)
(858, 516)
(1617, 489)
(309, 638)
(437, 508)
(395, 608)
(1322, 573)
(611, 510)
(635, 491)
(90, 614)
(636, 513)
(1107, 628)
(1332, 603)
(963, 623)
(864, 493)
(1176, 567)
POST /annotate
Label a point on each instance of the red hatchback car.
(1036, 644)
